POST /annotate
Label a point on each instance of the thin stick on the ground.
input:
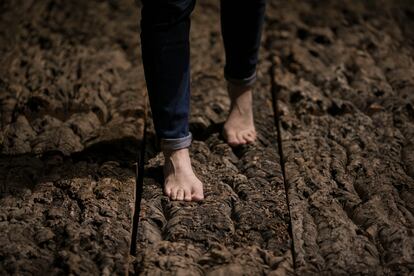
(274, 89)
(139, 184)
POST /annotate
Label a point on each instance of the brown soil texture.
(71, 121)
(335, 197)
(346, 95)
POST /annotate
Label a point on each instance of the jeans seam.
(176, 143)
(244, 81)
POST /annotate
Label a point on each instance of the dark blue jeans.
(165, 26)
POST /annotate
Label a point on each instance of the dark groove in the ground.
(139, 185)
(274, 89)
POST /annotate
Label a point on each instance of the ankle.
(176, 153)
(240, 95)
(236, 91)
(180, 159)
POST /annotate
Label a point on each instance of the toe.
(249, 136)
(232, 138)
(240, 137)
(187, 195)
(197, 197)
(167, 191)
(174, 193)
(197, 193)
(254, 134)
(180, 194)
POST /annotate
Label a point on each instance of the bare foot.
(180, 181)
(239, 126)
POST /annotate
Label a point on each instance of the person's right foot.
(180, 182)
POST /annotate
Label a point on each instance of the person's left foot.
(239, 126)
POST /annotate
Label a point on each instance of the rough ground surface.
(71, 120)
(346, 84)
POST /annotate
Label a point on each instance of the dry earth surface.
(331, 192)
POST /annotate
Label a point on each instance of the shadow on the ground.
(25, 171)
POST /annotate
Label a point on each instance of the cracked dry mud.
(72, 96)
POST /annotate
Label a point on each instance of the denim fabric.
(169, 144)
(241, 28)
(165, 46)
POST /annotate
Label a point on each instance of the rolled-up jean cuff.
(168, 144)
(249, 81)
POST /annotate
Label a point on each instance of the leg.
(241, 30)
(165, 48)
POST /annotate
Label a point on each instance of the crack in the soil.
(274, 88)
(139, 185)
